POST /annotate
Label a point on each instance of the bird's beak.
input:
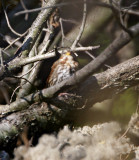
(68, 53)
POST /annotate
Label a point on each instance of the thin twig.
(1, 58)
(70, 20)
(130, 11)
(27, 68)
(78, 49)
(62, 32)
(63, 37)
(23, 5)
(28, 71)
(44, 48)
(88, 53)
(14, 93)
(25, 80)
(4, 38)
(6, 53)
(124, 134)
(82, 26)
(101, 4)
(42, 8)
(48, 93)
(93, 57)
(62, 29)
(16, 40)
(8, 23)
(25, 61)
(35, 30)
(118, 15)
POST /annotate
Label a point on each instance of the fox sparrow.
(63, 68)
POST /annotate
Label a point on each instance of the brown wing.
(62, 69)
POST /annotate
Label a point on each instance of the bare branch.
(14, 41)
(23, 5)
(27, 67)
(113, 81)
(101, 4)
(78, 49)
(80, 75)
(82, 26)
(11, 126)
(1, 58)
(62, 32)
(35, 31)
(89, 69)
(99, 84)
(48, 39)
(94, 65)
(6, 16)
(88, 53)
(44, 8)
(130, 11)
(24, 61)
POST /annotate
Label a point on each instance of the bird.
(63, 68)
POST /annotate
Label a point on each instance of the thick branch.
(94, 65)
(114, 80)
(27, 87)
(107, 84)
(37, 116)
(35, 30)
(77, 78)
(95, 89)
(89, 69)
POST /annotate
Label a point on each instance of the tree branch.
(19, 62)
(35, 30)
(126, 72)
(36, 116)
(8, 23)
(96, 88)
(82, 26)
(78, 77)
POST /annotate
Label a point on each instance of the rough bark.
(97, 88)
